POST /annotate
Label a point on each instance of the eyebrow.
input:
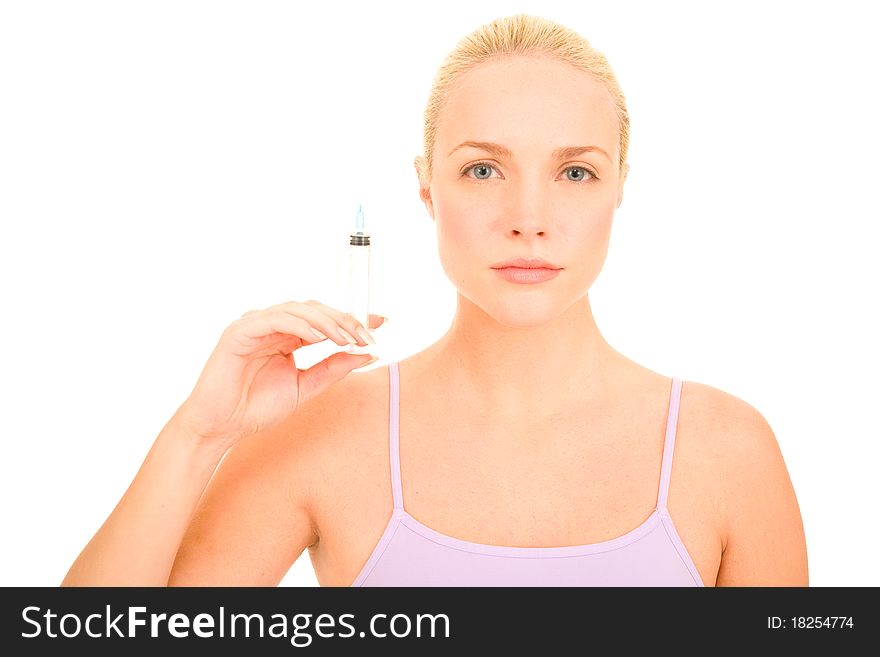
(500, 151)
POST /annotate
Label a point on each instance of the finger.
(376, 321)
(348, 322)
(327, 372)
(323, 316)
(317, 318)
(265, 323)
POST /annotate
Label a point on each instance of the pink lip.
(524, 275)
(526, 263)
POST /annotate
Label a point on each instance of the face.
(490, 205)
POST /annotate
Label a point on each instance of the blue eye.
(481, 169)
(479, 166)
(583, 175)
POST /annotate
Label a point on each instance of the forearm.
(137, 544)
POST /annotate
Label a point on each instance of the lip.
(527, 275)
(525, 263)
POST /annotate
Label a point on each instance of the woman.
(520, 448)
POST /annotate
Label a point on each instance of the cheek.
(461, 227)
(465, 228)
(596, 230)
(592, 240)
(458, 244)
(582, 229)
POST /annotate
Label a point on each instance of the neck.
(524, 373)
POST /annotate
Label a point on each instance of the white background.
(167, 166)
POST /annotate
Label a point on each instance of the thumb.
(325, 373)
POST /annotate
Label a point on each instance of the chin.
(524, 312)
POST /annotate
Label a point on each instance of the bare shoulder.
(256, 516)
(762, 530)
(324, 437)
(334, 444)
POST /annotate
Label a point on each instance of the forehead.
(519, 99)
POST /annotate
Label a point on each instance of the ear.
(620, 187)
(424, 186)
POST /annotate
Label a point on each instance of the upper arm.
(253, 520)
(764, 536)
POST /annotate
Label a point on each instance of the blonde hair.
(517, 35)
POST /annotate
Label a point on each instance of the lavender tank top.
(410, 553)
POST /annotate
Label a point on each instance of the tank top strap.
(669, 446)
(394, 439)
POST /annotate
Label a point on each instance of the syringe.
(359, 277)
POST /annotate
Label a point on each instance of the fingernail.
(366, 337)
(320, 335)
(372, 360)
(346, 336)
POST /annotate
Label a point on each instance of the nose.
(527, 232)
(529, 210)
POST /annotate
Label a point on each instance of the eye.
(482, 171)
(585, 172)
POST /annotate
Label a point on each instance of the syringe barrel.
(359, 283)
